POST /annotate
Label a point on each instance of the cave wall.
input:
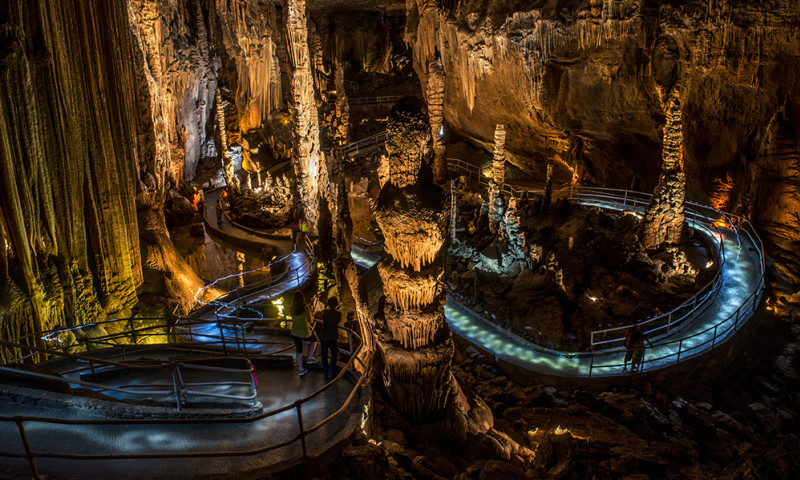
(68, 182)
(105, 107)
(597, 69)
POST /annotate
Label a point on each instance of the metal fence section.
(357, 366)
(360, 146)
(373, 100)
(665, 329)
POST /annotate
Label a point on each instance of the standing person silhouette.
(329, 336)
(302, 326)
(634, 346)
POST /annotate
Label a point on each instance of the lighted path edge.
(741, 279)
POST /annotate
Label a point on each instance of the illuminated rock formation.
(548, 188)
(664, 221)
(498, 177)
(307, 158)
(342, 108)
(413, 336)
(228, 170)
(84, 164)
(435, 98)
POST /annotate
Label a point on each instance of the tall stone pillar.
(435, 97)
(548, 188)
(231, 180)
(342, 107)
(664, 219)
(411, 332)
(498, 177)
(307, 158)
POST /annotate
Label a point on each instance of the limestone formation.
(307, 159)
(228, 166)
(413, 337)
(435, 98)
(342, 108)
(664, 220)
(548, 188)
(498, 177)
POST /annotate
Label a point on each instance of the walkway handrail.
(700, 301)
(656, 326)
(373, 100)
(355, 356)
(178, 390)
(353, 148)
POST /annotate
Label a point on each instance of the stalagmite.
(664, 220)
(413, 335)
(306, 154)
(231, 180)
(498, 177)
(435, 98)
(548, 188)
(342, 112)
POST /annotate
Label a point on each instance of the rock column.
(411, 331)
(435, 96)
(227, 162)
(306, 155)
(664, 220)
(548, 188)
(342, 107)
(498, 177)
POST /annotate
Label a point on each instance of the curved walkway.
(716, 321)
(304, 415)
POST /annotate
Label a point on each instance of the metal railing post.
(350, 342)
(133, 330)
(680, 346)
(175, 386)
(221, 335)
(714, 338)
(28, 453)
(302, 429)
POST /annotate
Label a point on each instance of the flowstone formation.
(411, 331)
(664, 220)
(307, 157)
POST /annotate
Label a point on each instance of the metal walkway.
(709, 320)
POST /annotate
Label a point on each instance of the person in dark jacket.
(329, 335)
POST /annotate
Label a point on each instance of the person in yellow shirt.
(302, 329)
